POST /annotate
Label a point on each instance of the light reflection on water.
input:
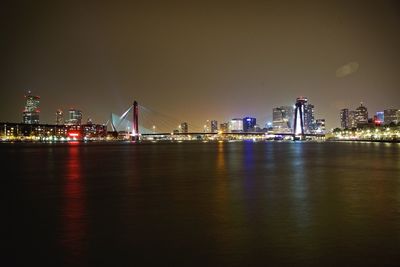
(231, 204)
(74, 210)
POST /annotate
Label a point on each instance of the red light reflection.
(74, 209)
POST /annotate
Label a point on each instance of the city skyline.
(205, 61)
(282, 117)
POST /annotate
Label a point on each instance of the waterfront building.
(352, 119)
(390, 116)
(361, 115)
(51, 131)
(320, 126)
(268, 126)
(344, 118)
(248, 124)
(214, 126)
(74, 117)
(184, 127)
(236, 125)
(398, 116)
(30, 115)
(309, 118)
(224, 127)
(379, 118)
(59, 117)
(282, 119)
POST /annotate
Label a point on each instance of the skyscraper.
(214, 126)
(30, 115)
(184, 127)
(390, 116)
(352, 119)
(248, 124)
(224, 127)
(236, 125)
(398, 116)
(282, 118)
(320, 126)
(309, 118)
(361, 115)
(379, 118)
(344, 118)
(74, 117)
(59, 117)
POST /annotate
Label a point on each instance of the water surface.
(204, 204)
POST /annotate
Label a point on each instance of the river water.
(203, 204)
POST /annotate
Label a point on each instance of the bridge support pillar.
(135, 126)
(299, 115)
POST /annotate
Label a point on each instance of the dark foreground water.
(204, 204)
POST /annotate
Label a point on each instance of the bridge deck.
(244, 133)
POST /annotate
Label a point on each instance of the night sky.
(199, 60)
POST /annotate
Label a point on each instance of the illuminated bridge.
(148, 122)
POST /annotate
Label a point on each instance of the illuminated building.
(361, 115)
(236, 125)
(59, 117)
(320, 126)
(248, 124)
(390, 116)
(398, 116)
(268, 126)
(309, 119)
(352, 119)
(74, 117)
(30, 115)
(184, 127)
(379, 118)
(51, 132)
(214, 126)
(344, 118)
(224, 127)
(282, 119)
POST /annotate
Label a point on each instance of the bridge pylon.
(299, 115)
(135, 126)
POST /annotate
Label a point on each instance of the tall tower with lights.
(30, 115)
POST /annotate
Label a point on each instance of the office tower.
(59, 117)
(236, 125)
(390, 116)
(30, 115)
(248, 124)
(214, 126)
(344, 118)
(74, 117)
(320, 126)
(361, 115)
(352, 119)
(224, 127)
(184, 127)
(282, 119)
(309, 118)
(398, 116)
(379, 118)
